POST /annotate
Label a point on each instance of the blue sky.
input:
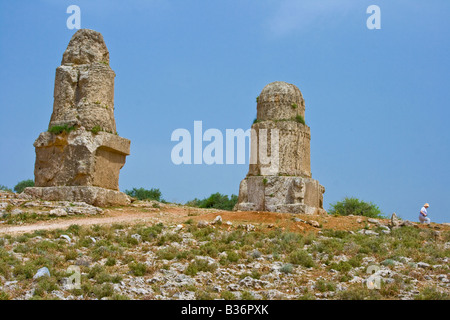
(376, 100)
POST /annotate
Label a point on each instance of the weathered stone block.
(96, 196)
(280, 101)
(80, 158)
(293, 148)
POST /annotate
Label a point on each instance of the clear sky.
(377, 101)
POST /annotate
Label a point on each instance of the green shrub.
(71, 255)
(138, 269)
(209, 250)
(185, 255)
(330, 246)
(358, 292)
(216, 201)
(151, 233)
(104, 290)
(342, 266)
(103, 277)
(232, 256)
(110, 261)
(168, 253)
(200, 265)
(4, 295)
(74, 229)
(300, 119)
(323, 285)
(431, 293)
(95, 270)
(354, 206)
(5, 269)
(202, 234)
(287, 268)
(204, 295)
(247, 296)
(45, 284)
(25, 271)
(307, 296)
(227, 295)
(144, 194)
(23, 184)
(61, 129)
(96, 129)
(301, 257)
(289, 241)
(168, 238)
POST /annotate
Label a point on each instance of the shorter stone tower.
(279, 176)
(80, 156)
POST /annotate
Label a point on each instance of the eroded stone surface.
(88, 153)
(84, 85)
(80, 158)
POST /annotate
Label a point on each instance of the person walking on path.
(423, 214)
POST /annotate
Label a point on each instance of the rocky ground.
(151, 250)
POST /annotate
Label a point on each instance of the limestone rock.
(84, 85)
(218, 220)
(407, 223)
(42, 272)
(100, 197)
(395, 221)
(368, 232)
(59, 212)
(423, 265)
(66, 237)
(86, 47)
(16, 212)
(202, 224)
(314, 223)
(279, 101)
(374, 221)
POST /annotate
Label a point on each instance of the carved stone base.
(280, 194)
(80, 158)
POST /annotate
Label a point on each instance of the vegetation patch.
(356, 207)
(144, 194)
(60, 129)
(216, 201)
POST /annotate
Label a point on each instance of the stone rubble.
(13, 204)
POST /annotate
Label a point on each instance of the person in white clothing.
(423, 214)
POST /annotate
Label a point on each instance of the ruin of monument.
(279, 133)
(80, 156)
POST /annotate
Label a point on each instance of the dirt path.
(109, 218)
(126, 215)
(174, 214)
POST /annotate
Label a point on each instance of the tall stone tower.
(279, 176)
(80, 156)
